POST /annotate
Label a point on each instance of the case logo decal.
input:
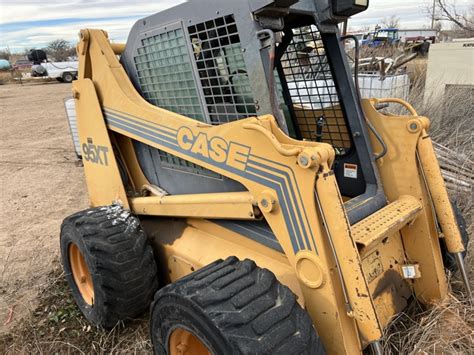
(215, 148)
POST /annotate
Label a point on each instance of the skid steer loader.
(240, 186)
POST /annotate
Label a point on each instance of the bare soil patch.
(40, 183)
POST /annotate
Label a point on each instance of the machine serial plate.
(372, 266)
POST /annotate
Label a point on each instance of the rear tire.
(108, 264)
(231, 307)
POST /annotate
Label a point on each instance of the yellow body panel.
(102, 175)
(401, 176)
(350, 290)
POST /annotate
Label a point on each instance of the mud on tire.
(233, 307)
(119, 262)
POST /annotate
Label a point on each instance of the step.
(386, 221)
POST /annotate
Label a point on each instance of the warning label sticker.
(350, 171)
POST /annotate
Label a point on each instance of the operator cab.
(225, 65)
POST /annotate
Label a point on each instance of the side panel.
(100, 167)
(400, 174)
(187, 245)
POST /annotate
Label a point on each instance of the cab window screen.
(312, 93)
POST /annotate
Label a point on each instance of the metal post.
(377, 348)
(462, 270)
(344, 27)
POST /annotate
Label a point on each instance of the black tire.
(448, 258)
(67, 77)
(234, 307)
(119, 260)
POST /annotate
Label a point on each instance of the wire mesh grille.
(173, 162)
(314, 97)
(165, 74)
(221, 67)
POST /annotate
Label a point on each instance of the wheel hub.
(81, 274)
(183, 342)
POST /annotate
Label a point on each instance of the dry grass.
(445, 328)
(20, 77)
(5, 77)
(57, 326)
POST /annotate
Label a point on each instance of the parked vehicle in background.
(62, 71)
(413, 40)
(418, 40)
(65, 71)
(22, 64)
(414, 35)
(382, 36)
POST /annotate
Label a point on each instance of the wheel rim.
(80, 272)
(183, 342)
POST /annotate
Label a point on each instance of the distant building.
(450, 76)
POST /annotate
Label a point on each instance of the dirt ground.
(41, 183)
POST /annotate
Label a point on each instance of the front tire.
(108, 264)
(231, 307)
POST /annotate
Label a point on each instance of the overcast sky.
(32, 24)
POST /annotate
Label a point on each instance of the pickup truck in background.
(63, 71)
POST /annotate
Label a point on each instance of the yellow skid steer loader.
(240, 186)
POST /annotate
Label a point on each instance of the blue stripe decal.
(135, 124)
(279, 184)
(297, 188)
(128, 116)
(295, 206)
(139, 131)
(283, 197)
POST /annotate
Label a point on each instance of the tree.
(5, 54)
(60, 50)
(446, 10)
(392, 21)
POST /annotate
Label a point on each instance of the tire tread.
(249, 307)
(123, 266)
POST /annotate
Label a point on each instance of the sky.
(32, 23)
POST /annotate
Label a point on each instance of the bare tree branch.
(445, 10)
(392, 21)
